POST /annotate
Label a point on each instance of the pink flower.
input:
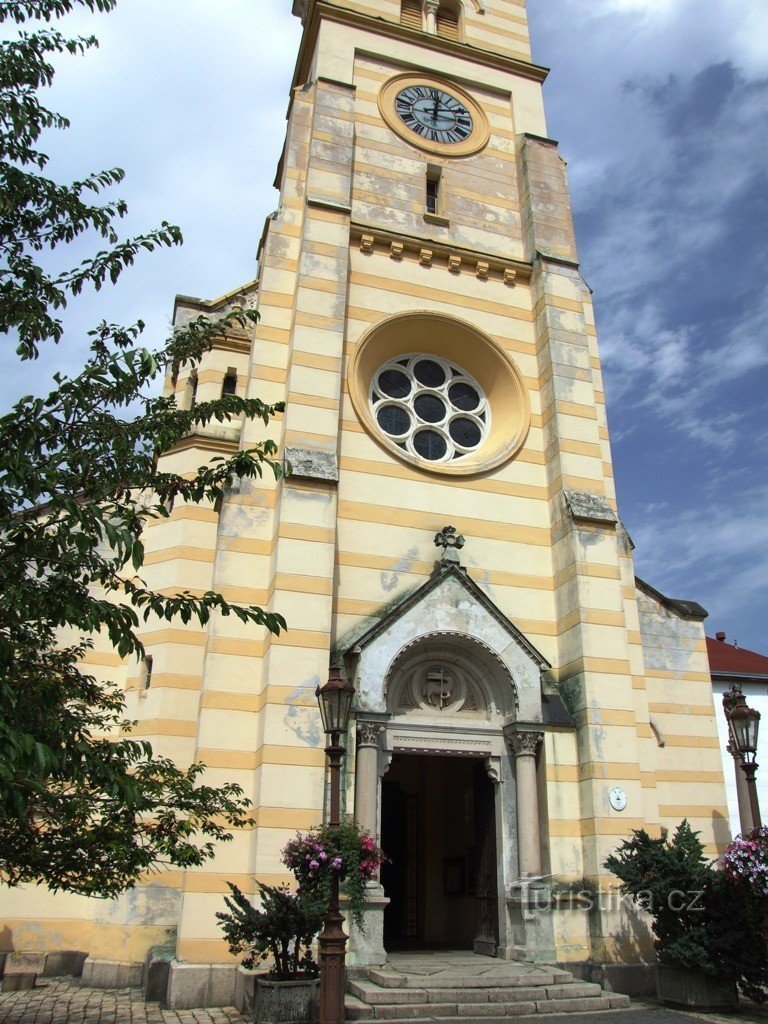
(314, 865)
(336, 863)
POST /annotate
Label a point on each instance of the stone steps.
(485, 999)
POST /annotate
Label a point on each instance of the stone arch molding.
(450, 675)
(452, 615)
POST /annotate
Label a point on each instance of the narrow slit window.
(193, 390)
(229, 387)
(433, 190)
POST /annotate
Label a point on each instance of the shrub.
(282, 928)
(702, 919)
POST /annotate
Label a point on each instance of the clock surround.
(416, 93)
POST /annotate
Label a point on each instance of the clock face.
(434, 114)
(618, 799)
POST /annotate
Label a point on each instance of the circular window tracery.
(430, 407)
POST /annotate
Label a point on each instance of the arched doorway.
(442, 819)
(448, 704)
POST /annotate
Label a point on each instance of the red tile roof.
(725, 659)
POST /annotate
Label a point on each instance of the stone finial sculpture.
(452, 542)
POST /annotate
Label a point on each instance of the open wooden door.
(486, 892)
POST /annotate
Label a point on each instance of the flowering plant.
(746, 860)
(347, 851)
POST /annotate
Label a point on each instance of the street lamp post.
(743, 726)
(335, 700)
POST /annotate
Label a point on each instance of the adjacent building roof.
(730, 662)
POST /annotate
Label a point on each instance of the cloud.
(661, 108)
(189, 97)
(730, 569)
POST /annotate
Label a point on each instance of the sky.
(661, 110)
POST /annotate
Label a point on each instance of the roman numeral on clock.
(434, 115)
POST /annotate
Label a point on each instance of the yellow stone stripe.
(595, 826)
(246, 760)
(165, 727)
(405, 287)
(705, 710)
(680, 811)
(360, 512)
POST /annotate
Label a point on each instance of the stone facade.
(356, 270)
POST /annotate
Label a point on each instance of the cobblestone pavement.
(64, 1001)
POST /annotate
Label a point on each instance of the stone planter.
(261, 998)
(676, 986)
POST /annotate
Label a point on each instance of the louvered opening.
(410, 14)
(447, 24)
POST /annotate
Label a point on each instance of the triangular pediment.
(444, 574)
(450, 605)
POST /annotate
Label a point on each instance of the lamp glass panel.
(335, 705)
(746, 722)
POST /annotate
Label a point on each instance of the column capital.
(368, 733)
(431, 8)
(523, 742)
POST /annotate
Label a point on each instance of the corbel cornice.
(429, 252)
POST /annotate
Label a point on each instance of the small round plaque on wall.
(618, 799)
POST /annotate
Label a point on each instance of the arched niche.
(451, 677)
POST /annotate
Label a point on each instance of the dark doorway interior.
(438, 830)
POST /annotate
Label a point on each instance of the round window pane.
(430, 408)
(465, 433)
(394, 383)
(463, 396)
(429, 373)
(411, 417)
(393, 420)
(430, 445)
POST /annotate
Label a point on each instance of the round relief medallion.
(434, 114)
(439, 394)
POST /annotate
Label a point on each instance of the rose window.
(430, 408)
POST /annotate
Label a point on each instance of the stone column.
(367, 776)
(366, 948)
(431, 8)
(525, 746)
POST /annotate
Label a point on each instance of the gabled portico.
(445, 674)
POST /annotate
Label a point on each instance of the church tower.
(523, 702)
